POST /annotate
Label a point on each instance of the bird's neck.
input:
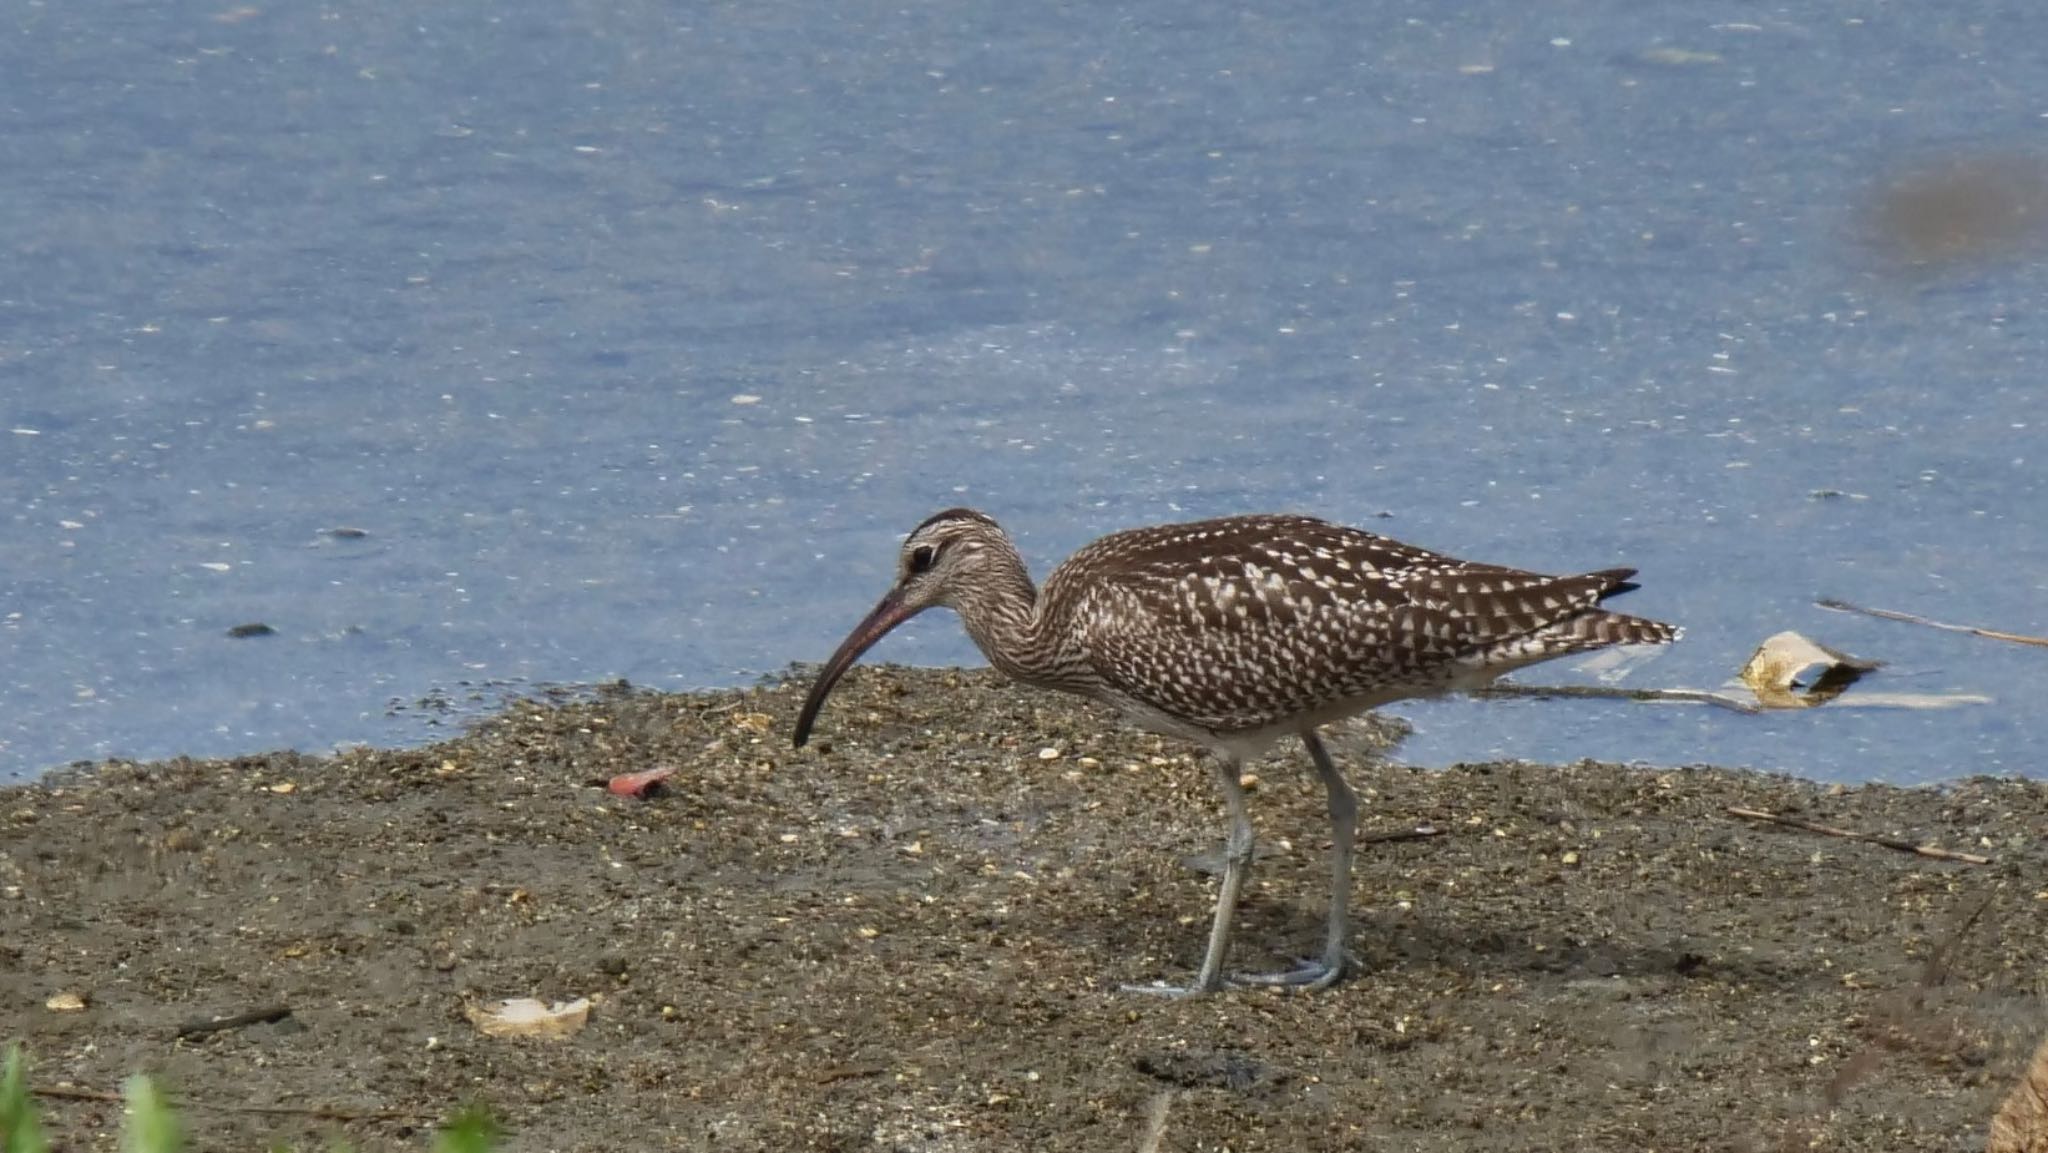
(1001, 612)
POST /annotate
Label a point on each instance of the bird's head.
(938, 563)
(941, 558)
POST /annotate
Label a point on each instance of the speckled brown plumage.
(1238, 631)
(1237, 625)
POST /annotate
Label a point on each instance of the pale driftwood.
(1903, 846)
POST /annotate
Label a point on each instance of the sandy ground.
(909, 937)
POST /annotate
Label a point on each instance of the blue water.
(630, 339)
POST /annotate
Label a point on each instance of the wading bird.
(1236, 633)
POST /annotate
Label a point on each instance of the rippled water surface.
(625, 342)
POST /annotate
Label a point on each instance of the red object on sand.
(638, 784)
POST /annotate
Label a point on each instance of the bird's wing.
(1246, 621)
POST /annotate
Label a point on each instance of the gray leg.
(1237, 859)
(1343, 839)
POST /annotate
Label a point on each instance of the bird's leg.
(1343, 842)
(1343, 837)
(1237, 859)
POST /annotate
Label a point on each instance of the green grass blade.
(20, 1132)
(152, 1126)
(472, 1131)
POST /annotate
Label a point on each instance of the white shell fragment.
(527, 1017)
(1774, 672)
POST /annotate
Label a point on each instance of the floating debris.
(1775, 667)
(1678, 57)
(1966, 210)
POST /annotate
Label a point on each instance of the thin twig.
(1903, 846)
(1612, 693)
(1913, 1022)
(1418, 833)
(61, 1094)
(317, 1112)
(1895, 615)
(1155, 1122)
(848, 1073)
(1944, 954)
(209, 1025)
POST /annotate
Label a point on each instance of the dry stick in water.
(1612, 693)
(1903, 846)
(1909, 618)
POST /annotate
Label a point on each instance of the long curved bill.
(887, 615)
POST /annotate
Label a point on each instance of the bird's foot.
(1306, 975)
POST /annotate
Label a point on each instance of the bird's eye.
(922, 557)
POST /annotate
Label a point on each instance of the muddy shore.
(909, 936)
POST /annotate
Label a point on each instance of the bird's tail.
(1598, 629)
